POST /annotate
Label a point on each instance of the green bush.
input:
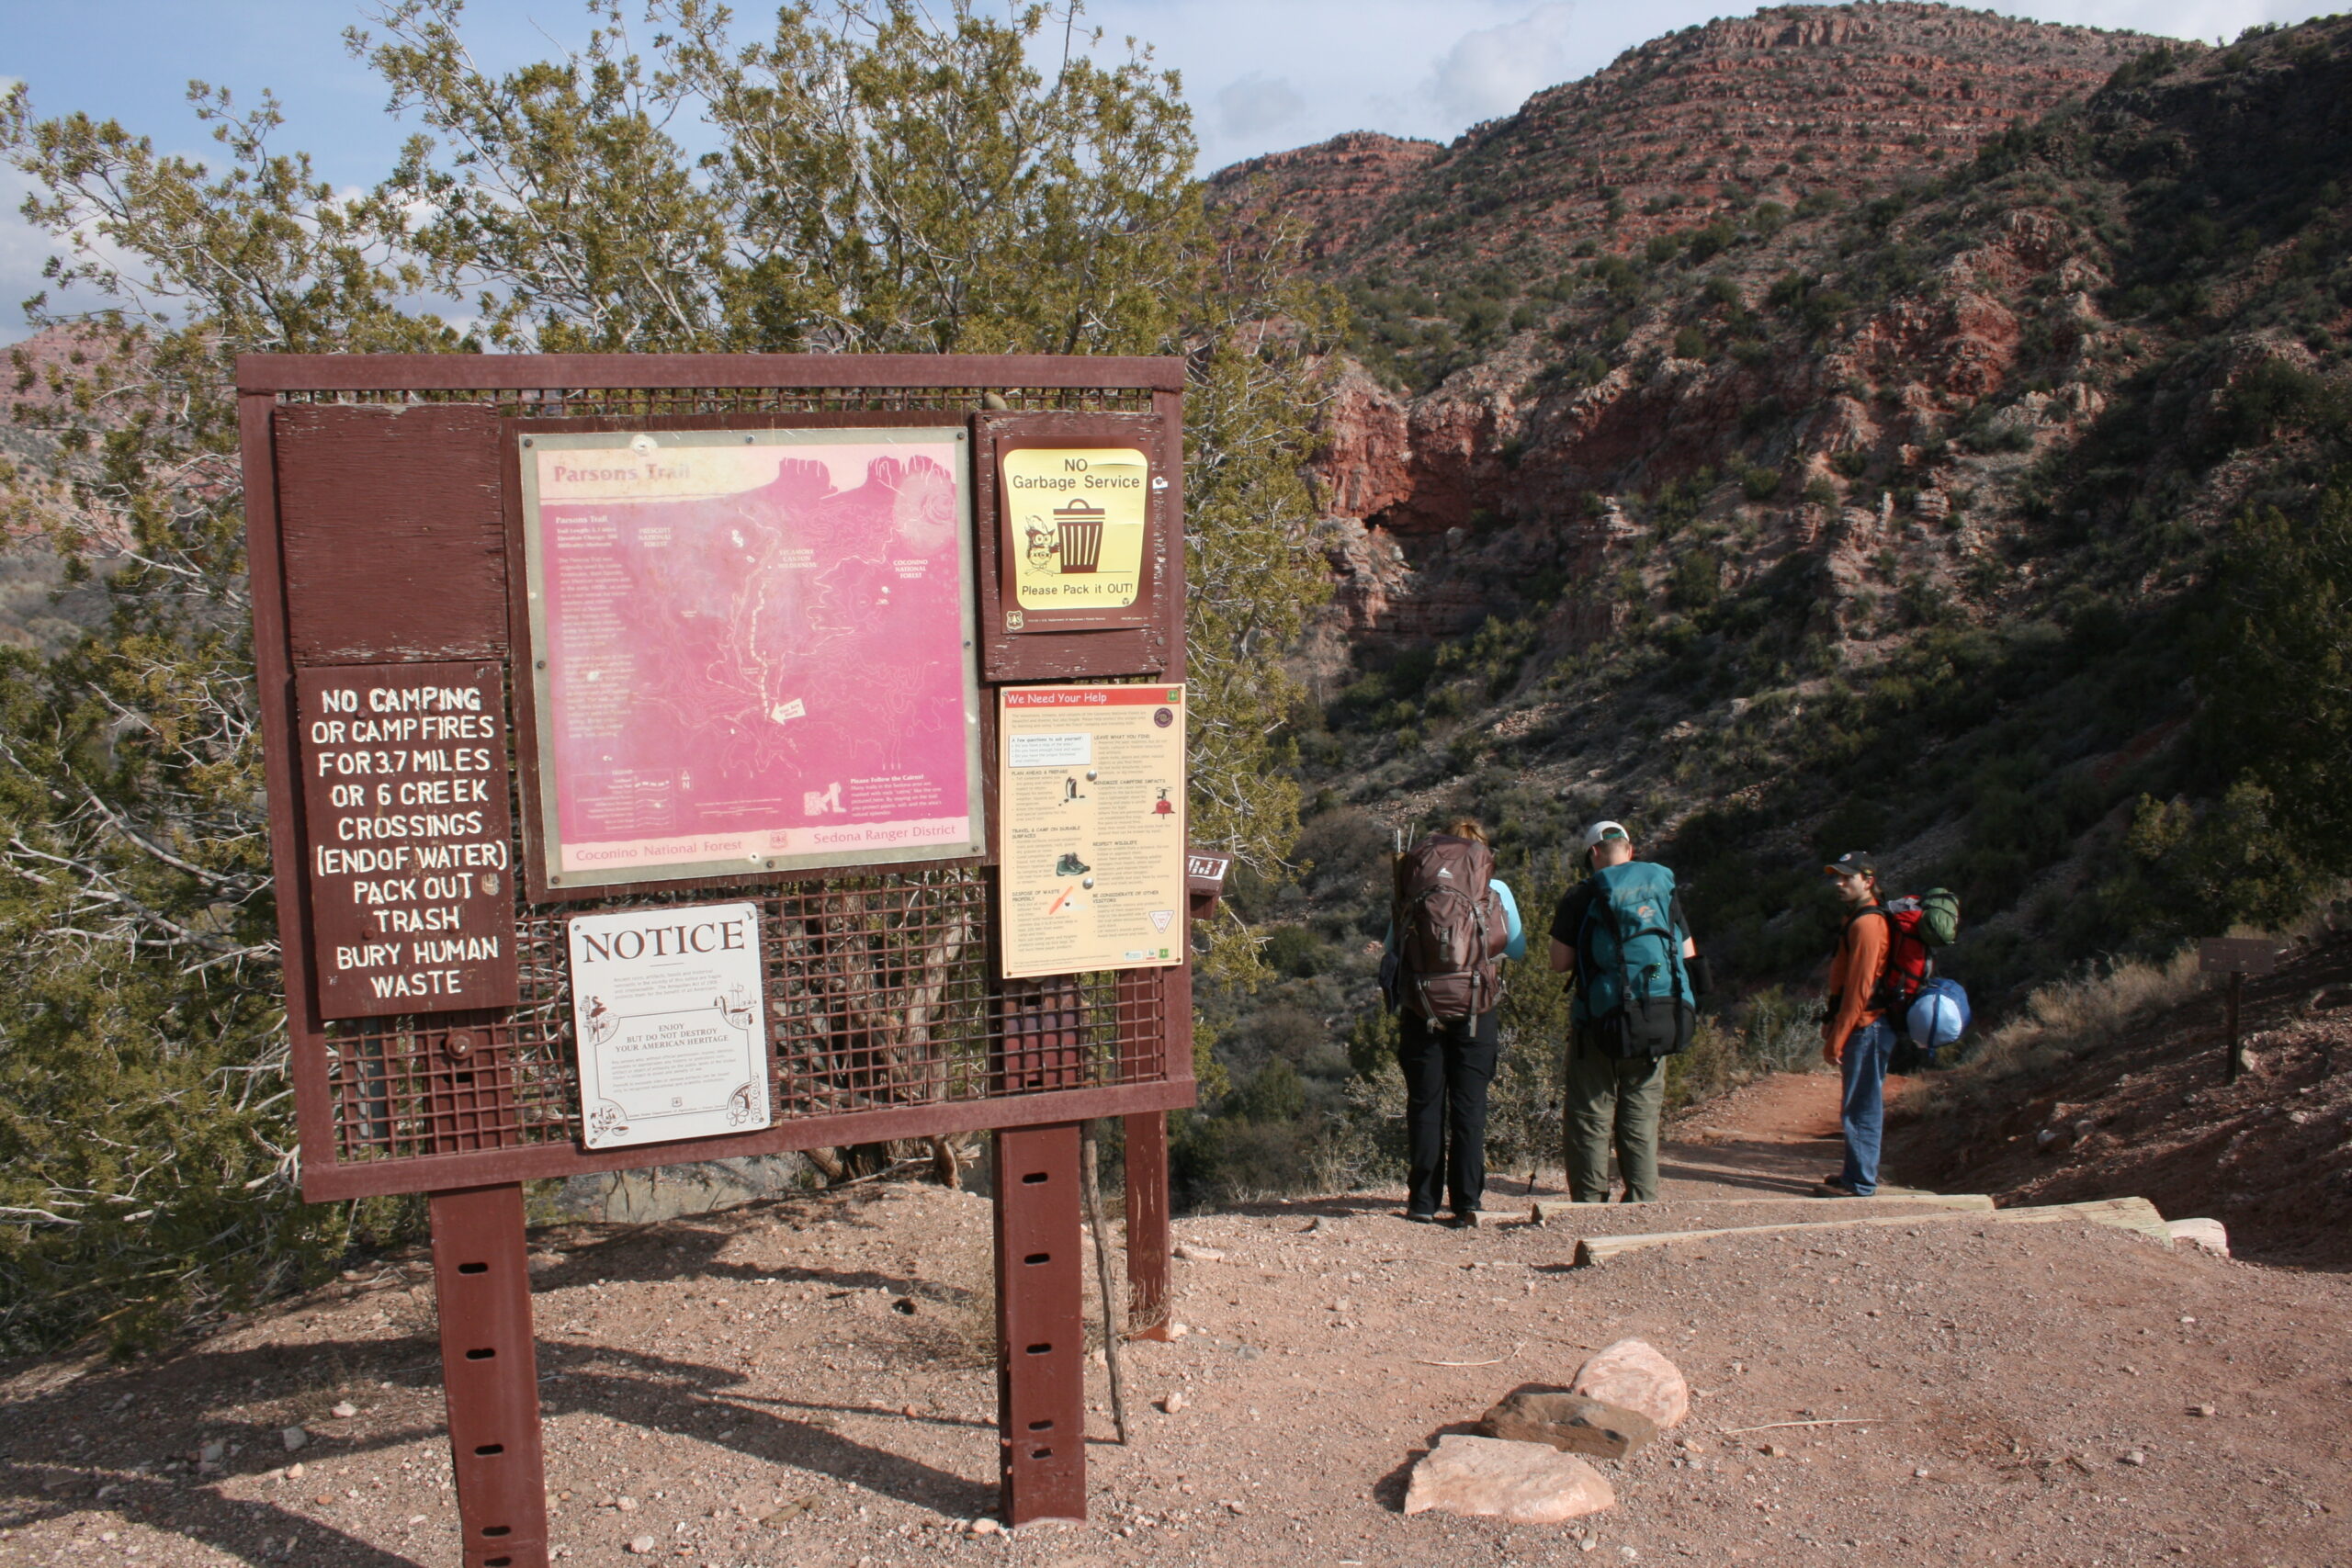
(1713, 240)
(1293, 951)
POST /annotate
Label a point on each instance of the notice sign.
(669, 1014)
(409, 836)
(1076, 525)
(1090, 783)
(752, 650)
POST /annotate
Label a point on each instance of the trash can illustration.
(1081, 534)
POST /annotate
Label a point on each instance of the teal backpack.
(1632, 989)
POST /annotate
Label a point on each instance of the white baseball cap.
(1605, 829)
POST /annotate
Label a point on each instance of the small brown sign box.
(1205, 873)
(2236, 956)
(383, 520)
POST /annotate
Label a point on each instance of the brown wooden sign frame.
(453, 417)
(380, 515)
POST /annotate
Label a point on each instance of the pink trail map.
(756, 653)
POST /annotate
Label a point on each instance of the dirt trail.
(2011, 1394)
(1777, 1136)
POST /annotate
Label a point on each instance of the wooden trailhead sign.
(409, 851)
(633, 734)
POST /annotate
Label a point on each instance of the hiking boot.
(1834, 1187)
(1071, 865)
(1420, 1216)
(1467, 1220)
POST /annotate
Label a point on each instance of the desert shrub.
(2060, 1022)
(1695, 581)
(1293, 951)
(1342, 849)
(2279, 673)
(1715, 1062)
(1617, 277)
(1713, 240)
(1781, 1032)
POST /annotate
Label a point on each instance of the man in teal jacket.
(1625, 1021)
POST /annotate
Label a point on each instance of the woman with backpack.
(1451, 920)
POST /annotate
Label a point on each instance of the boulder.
(1569, 1422)
(1632, 1375)
(2210, 1234)
(1526, 1483)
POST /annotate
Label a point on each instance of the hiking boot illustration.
(1071, 865)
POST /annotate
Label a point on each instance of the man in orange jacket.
(1855, 1036)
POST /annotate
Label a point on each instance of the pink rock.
(1632, 1375)
(1527, 1484)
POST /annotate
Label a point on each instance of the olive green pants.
(1613, 1102)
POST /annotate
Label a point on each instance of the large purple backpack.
(1449, 929)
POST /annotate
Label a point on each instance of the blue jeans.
(1863, 1111)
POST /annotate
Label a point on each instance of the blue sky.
(1262, 74)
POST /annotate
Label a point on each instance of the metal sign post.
(482, 1271)
(2237, 957)
(438, 569)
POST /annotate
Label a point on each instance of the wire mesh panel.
(878, 998)
(883, 1020)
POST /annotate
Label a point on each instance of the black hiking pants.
(1447, 1069)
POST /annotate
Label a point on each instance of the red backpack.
(1449, 929)
(1915, 926)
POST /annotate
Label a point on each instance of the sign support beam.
(490, 1373)
(1148, 1237)
(1041, 1325)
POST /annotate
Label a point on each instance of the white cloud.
(1491, 71)
(24, 251)
(1257, 105)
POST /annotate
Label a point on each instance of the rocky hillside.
(2121, 1087)
(1698, 124)
(1874, 492)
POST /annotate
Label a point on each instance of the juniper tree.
(877, 181)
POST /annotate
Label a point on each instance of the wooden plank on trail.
(1548, 1210)
(2134, 1214)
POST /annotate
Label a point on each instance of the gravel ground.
(805, 1383)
